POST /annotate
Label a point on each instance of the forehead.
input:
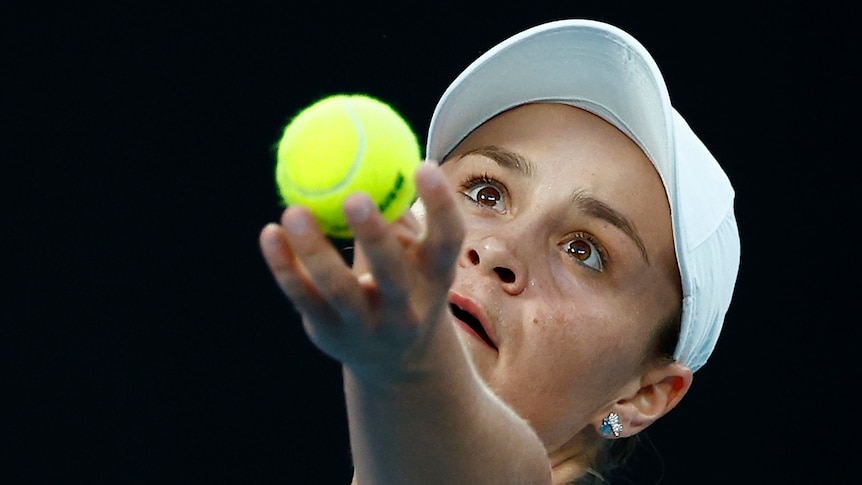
(562, 135)
(554, 123)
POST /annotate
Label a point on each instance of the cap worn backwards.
(604, 70)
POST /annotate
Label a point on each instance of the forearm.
(440, 424)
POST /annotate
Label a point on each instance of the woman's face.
(568, 262)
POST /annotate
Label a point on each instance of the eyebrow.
(583, 201)
(599, 209)
(505, 158)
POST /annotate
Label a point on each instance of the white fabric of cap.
(604, 70)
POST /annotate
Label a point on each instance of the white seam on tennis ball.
(357, 158)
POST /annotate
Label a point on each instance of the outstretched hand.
(373, 317)
(408, 382)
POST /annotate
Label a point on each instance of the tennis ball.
(342, 144)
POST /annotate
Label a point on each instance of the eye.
(486, 192)
(583, 249)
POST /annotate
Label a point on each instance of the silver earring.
(612, 425)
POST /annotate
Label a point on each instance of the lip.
(486, 333)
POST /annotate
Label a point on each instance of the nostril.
(474, 256)
(505, 274)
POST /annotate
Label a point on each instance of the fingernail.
(359, 208)
(430, 179)
(296, 224)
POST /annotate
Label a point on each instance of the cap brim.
(584, 63)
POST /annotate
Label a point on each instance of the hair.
(613, 455)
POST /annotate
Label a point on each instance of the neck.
(573, 459)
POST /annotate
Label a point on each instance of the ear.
(660, 390)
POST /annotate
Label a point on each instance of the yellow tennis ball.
(342, 144)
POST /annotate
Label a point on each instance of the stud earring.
(612, 425)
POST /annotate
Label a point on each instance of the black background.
(144, 341)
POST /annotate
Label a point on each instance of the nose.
(494, 257)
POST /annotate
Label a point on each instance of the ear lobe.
(661, 390)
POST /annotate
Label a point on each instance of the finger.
(444, 227)
(384, 255)
(407, 229)
(291, 276)
(325, 275)
(281, 260)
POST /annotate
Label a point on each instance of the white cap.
(604, 70)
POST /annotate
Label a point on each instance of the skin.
(549, 226)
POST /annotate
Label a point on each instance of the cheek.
(571, 343)
(585, 353)
(560, 371)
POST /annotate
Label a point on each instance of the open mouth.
(472, 322)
